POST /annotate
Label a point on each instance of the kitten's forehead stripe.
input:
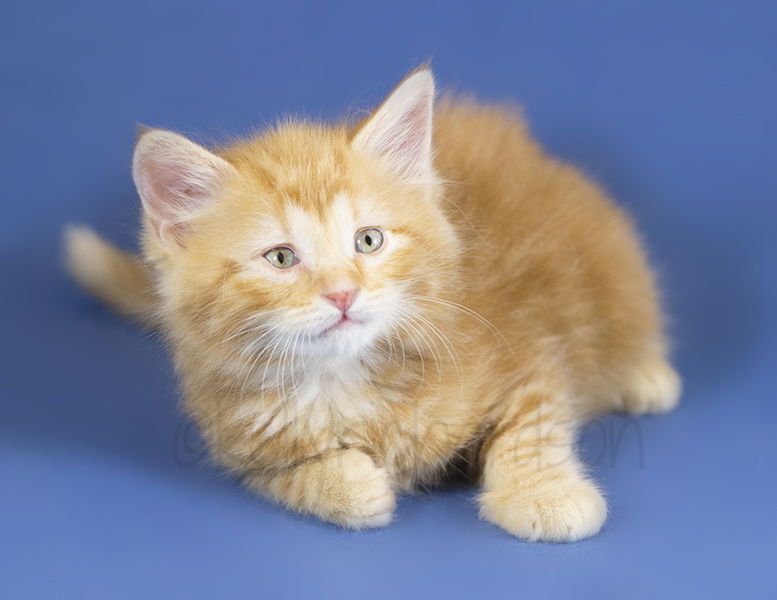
(302, 162)
(322, 240)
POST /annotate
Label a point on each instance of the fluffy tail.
(118, 278)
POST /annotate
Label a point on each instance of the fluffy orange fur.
(510, 300)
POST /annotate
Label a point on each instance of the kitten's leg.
(342, 486)
(652, 386)
(533, 485)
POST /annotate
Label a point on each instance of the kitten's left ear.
(400, 130)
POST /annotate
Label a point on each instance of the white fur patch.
(321, 395)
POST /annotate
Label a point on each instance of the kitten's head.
(306, 241)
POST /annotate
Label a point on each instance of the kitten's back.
(555, 264)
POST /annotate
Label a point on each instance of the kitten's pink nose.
(343, 299)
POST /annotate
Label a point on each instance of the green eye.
(281, 258)
(368, 240)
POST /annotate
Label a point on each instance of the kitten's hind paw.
(652, 388)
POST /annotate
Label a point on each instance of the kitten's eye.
(368, 240)
(281, 258)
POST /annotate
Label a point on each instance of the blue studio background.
(104, 489)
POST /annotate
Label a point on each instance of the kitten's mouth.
(344, 323)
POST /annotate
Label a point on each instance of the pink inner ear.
(175, 178)
(401, 129)
(173, 189)
(407, 148)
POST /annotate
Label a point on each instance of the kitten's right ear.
(400, 130)
(176, 179)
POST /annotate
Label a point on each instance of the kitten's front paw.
(554, 511)
(345, 487)
(354, 492)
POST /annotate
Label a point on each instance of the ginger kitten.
(350, 309)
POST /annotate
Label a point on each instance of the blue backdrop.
(104, 490)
